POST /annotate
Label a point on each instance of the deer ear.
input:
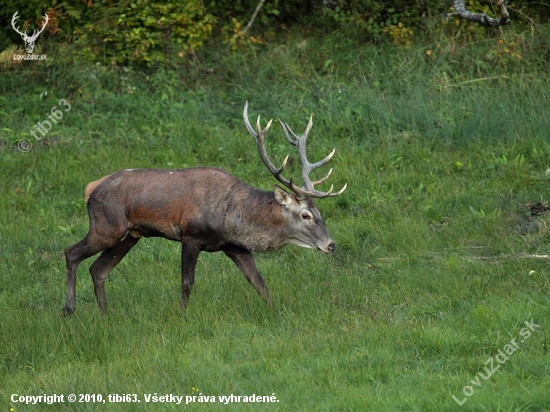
(282, 196)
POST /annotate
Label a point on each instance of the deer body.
(206, 204)
(204, 208)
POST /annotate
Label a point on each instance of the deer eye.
(306, 215)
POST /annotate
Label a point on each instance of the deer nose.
(331, 247)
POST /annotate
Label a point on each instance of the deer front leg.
(244, 259)
(189, 256)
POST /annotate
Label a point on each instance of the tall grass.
(434, 270)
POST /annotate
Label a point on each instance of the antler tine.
(340, 191)
(318, 194)
(286, 129)
(323, 161)
(308, 128)
(317, 182)
(297, 139)
(247, 122)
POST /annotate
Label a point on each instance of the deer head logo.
(29, 40)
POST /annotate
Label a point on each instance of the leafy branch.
(462, 12)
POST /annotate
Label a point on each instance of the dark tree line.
(147, 31)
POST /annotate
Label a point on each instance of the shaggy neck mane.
(256, 222)
(261, 206)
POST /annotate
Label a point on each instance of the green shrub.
(145, 32)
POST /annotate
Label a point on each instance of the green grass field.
(439, 261)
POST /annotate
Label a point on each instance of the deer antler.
(27, 38)
(308, 189)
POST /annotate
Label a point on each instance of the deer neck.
(256, 222)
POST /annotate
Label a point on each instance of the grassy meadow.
(442, 236)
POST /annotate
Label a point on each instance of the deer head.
(29, 40)
(298, 207)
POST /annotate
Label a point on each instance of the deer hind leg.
(106, 262)
(74, 255)
(92, 244)
(244, 259)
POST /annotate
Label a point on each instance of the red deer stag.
(204, 208)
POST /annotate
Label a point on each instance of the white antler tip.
(258, 128)
(284, 163)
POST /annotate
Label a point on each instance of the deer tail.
(90, 187)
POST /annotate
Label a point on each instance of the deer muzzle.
(328, 248)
